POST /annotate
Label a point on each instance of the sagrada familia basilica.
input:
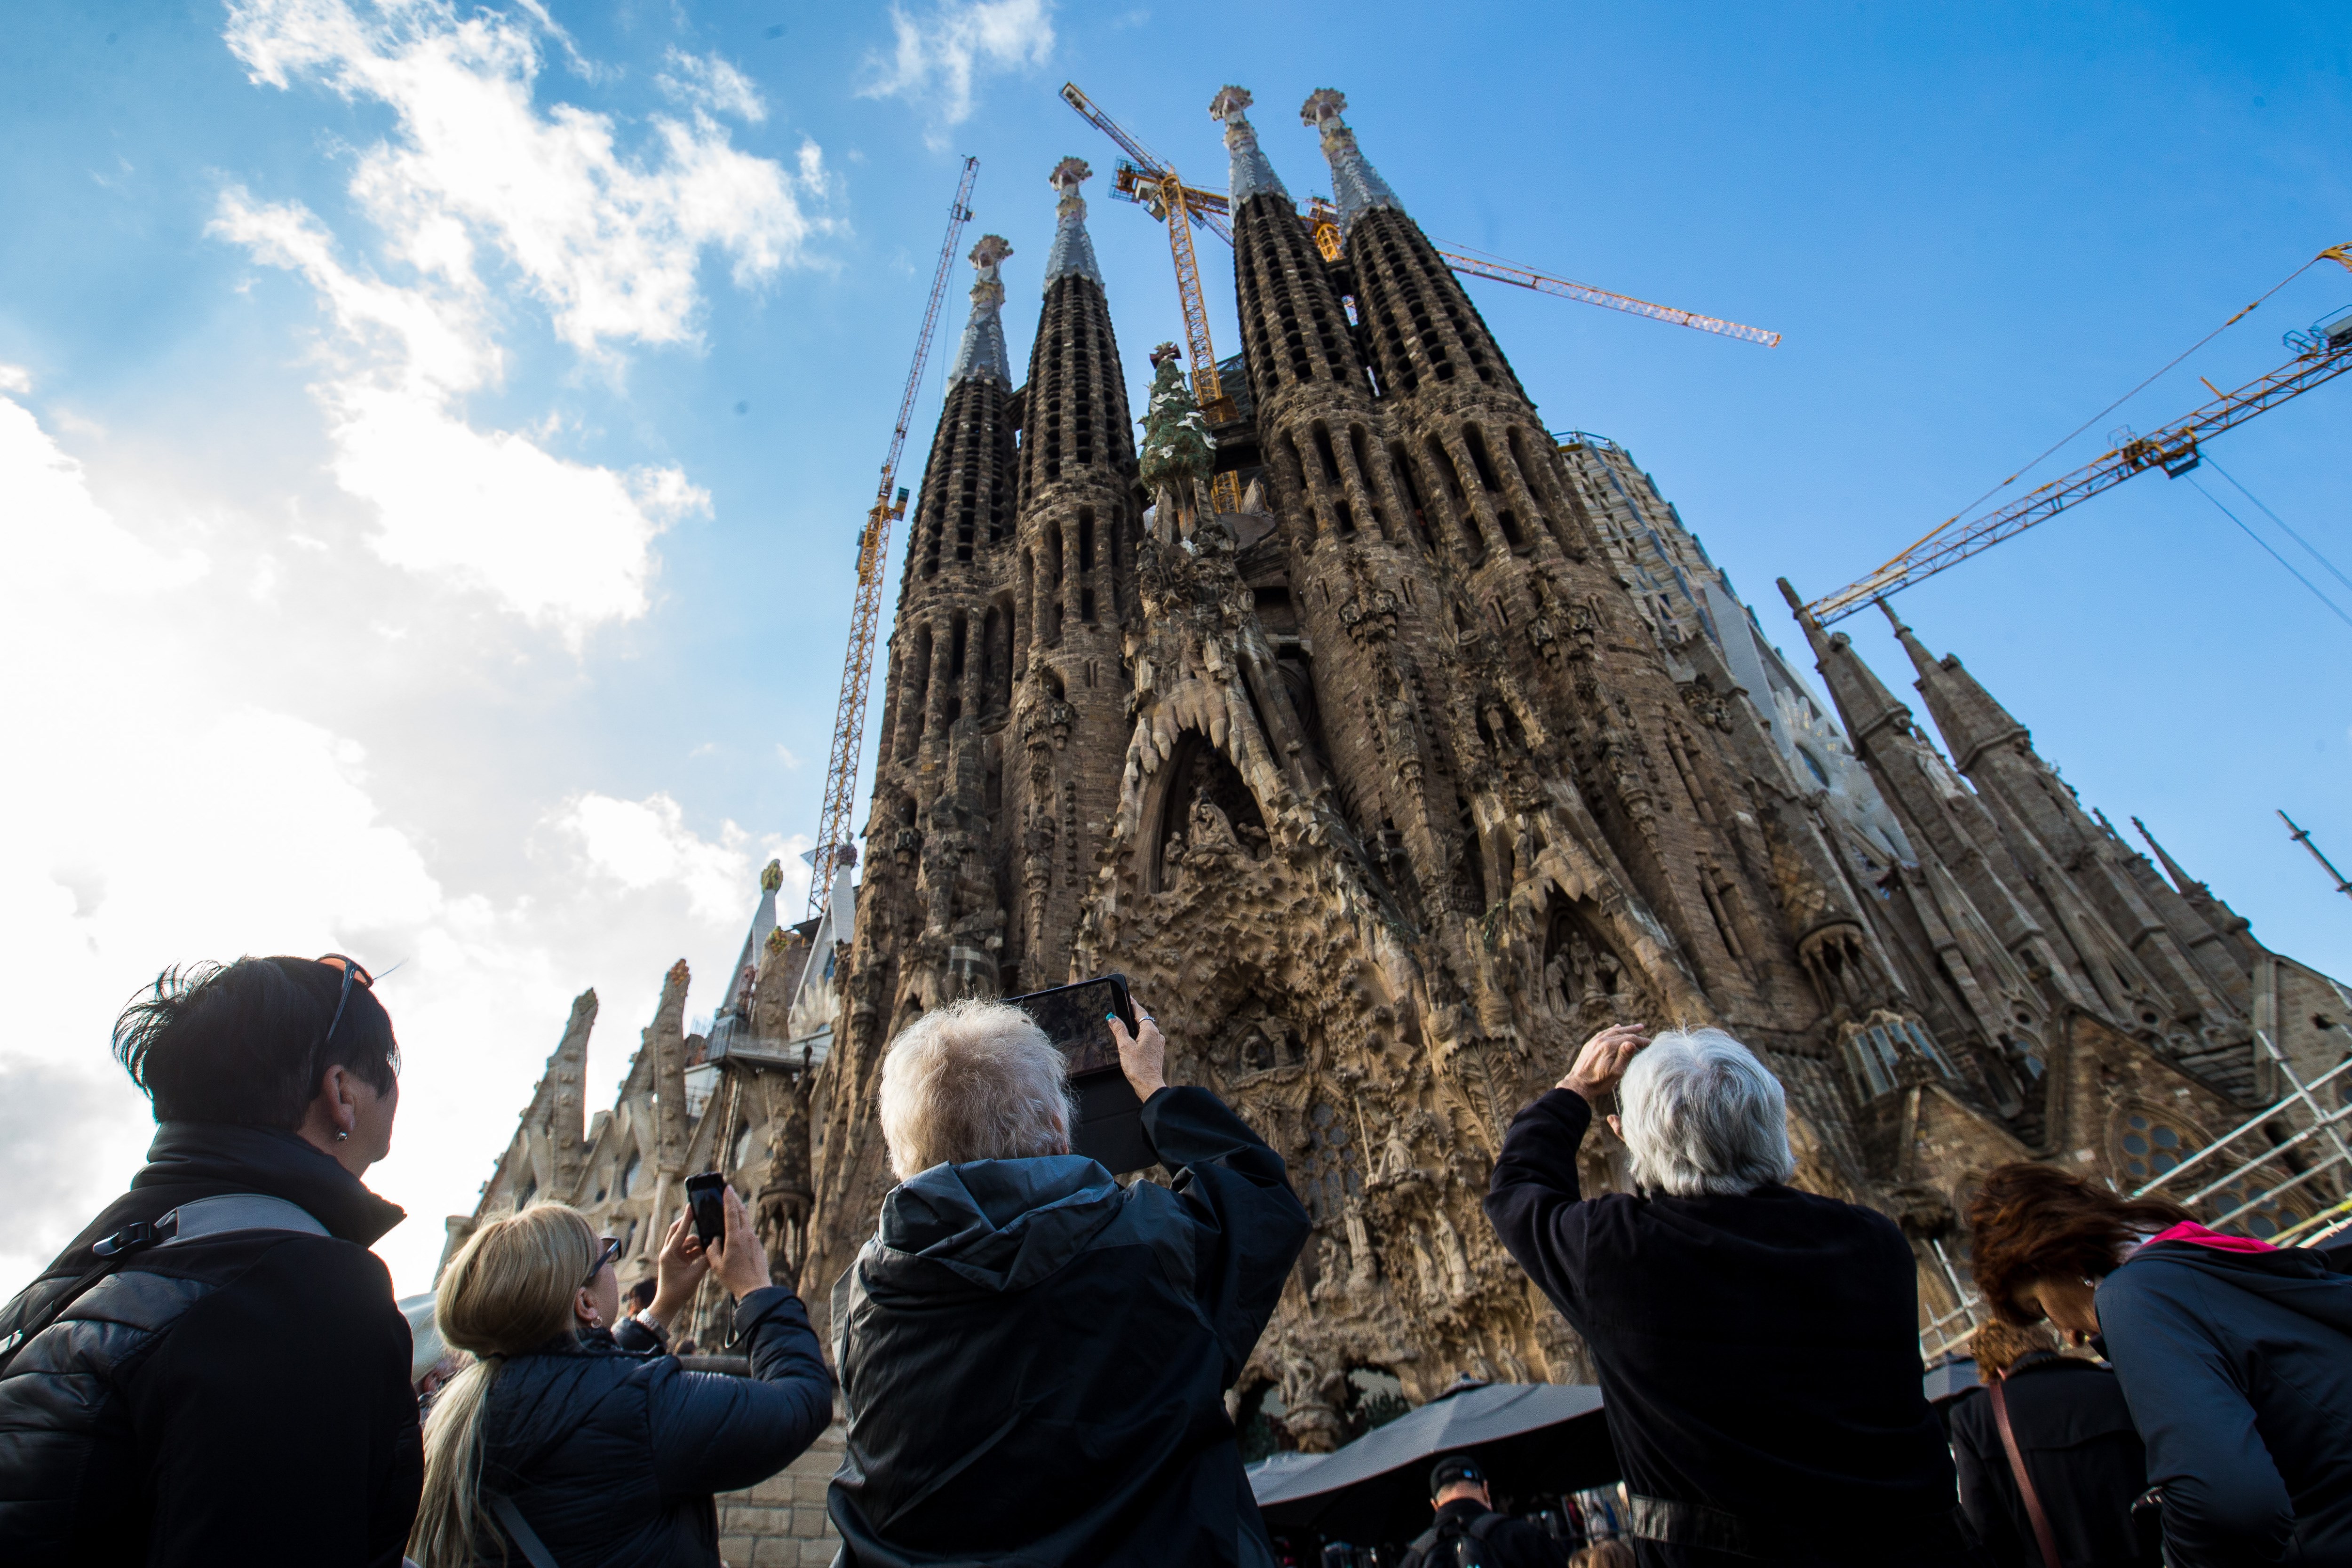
(1445, 747)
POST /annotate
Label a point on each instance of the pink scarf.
(2196, 1235)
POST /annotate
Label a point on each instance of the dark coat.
(1034, 1359)
(2075, 1432)
(1758, 1354)
(613, 1457)
(2238, 1367)
(1508, 1544)
(235, 1398)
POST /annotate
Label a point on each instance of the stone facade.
(1387, 790)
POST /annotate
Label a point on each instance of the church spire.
(1252, 175)
(1972, 721)
(1355, 183)
(1862, 700)
(1074, 252)
(981, 353)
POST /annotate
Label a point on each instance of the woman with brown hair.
(2235, 1357)
(560, 1446)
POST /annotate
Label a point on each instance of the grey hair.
(1702, 1115)
(974, 1080)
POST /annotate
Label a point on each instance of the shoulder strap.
(2042, 1534)
(1485, 1523)
(534, 1549)
(203, 1216)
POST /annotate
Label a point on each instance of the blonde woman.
(560, 1446)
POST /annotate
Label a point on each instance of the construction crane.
(1146, 178)
(832, 846)
(2323, 353)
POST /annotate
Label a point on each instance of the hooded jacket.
(1034, 1359)
(241, 1397)
(612, 1458)
(2237, 1369)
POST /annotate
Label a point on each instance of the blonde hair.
(974, 1080)
(509, 1291)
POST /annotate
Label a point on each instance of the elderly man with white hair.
(1757, 1346)
(1034, 1359)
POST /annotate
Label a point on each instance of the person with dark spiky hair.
(215, 1370)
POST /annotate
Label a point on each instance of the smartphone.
(1077, 1019)
(706, 1195)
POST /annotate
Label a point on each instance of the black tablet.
(1109, 1127)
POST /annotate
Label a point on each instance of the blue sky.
(432, 439)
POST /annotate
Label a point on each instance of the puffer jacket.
(1034, 1359)
(612, 1458)
(240, 1398)
(2237, 1369)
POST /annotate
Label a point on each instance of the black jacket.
(1758, 1354)
(236, 1398)
(2238, 1367)
(1508, 1544)
(1034, 1359)
(612, 1458)
(2075, 1432)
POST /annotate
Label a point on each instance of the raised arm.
(713, 1433)
(1533, 1200)
(1237, 1190)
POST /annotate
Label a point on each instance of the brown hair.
(1998, 1346)
(1605, 1555)
(2032, 1222)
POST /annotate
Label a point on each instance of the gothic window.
(2148, 1145)
(1326, 1174)
(1813, 766)
(629, 1173)
(741, 1151)
(529, 1191)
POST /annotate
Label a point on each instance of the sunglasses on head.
(351, 971)
(612, 1250)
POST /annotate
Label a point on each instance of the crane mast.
(832, 846)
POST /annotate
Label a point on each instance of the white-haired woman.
(1757, 1346)
(559, 1446)
(1034, 1359)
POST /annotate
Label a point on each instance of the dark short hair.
(641, 1294)
(2032, 1222)
(245, 1043)
(1455, 1471)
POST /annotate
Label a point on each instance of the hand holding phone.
(706, 1198)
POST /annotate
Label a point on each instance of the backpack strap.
(1485, 1525)
(2043, 1536)
(204, 1217)
(519, 1527)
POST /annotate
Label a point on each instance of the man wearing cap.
(1467, 1529)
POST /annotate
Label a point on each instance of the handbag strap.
(2042, 1534)
(519, 1529)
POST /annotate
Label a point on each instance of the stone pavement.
(780, 1522)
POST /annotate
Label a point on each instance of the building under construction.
(1438, 745)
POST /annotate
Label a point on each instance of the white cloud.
(15, 378)
(935, 58)
(646, 843)
(168, 809)
(710, 84)
(608, 242)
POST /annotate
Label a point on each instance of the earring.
(340, 1135)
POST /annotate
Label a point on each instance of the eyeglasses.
(612, 1250)
(351, 971)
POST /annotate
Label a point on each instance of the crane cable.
(2333, 606)
(2274, 517)
(2329, 255)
